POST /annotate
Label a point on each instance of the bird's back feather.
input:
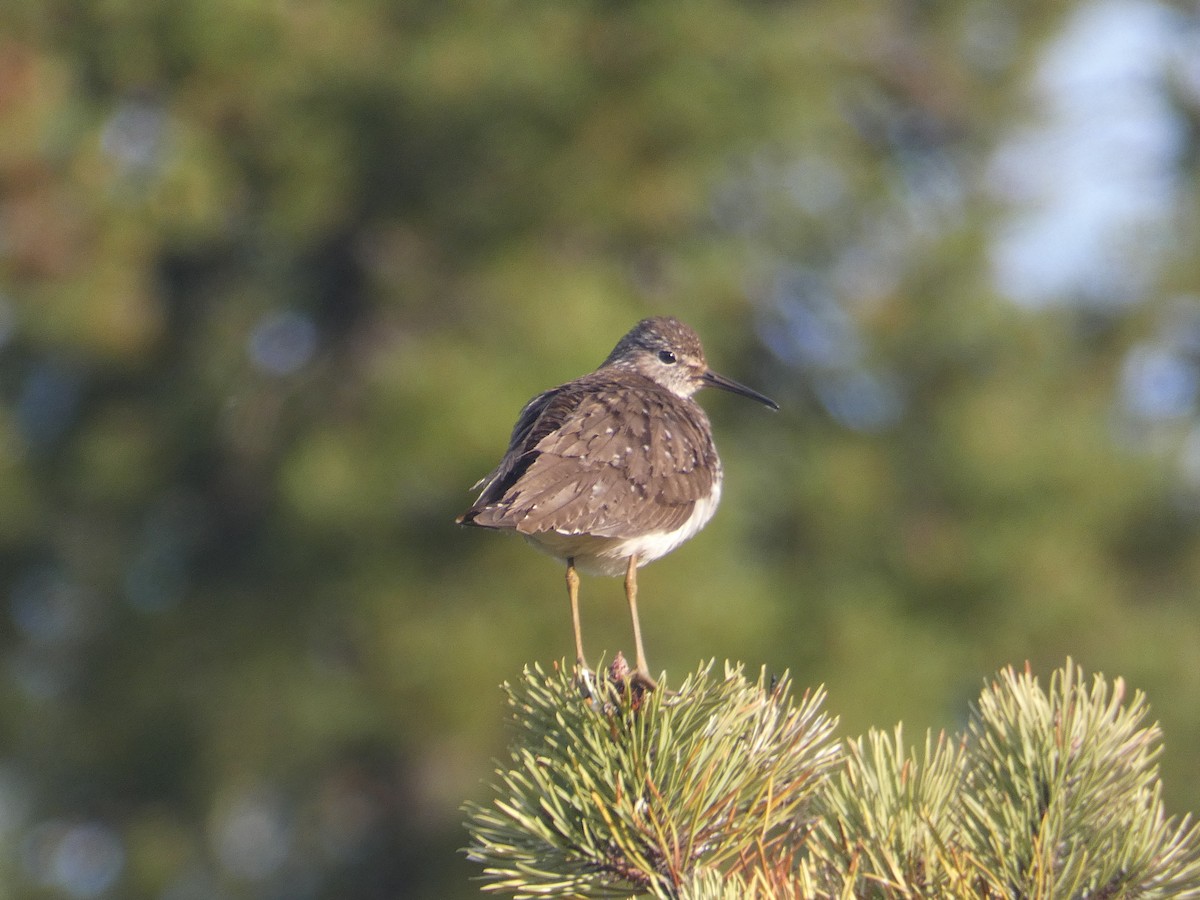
(601, 456)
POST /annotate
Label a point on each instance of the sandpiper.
(615, 469)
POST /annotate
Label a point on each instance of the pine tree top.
(731, 788)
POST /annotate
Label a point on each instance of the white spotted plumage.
(615, 469)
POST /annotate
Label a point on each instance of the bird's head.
(669, 353)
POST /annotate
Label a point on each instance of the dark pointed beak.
(712, 379)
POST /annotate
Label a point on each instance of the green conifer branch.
(887, 819)
(625, 792)
(1063, 798)
(729, 789)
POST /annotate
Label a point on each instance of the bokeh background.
(276, 277)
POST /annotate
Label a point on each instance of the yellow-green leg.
(573, 593)
(642, 673)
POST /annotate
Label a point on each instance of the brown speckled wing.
(582, 460)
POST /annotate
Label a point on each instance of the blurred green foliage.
(275, 279)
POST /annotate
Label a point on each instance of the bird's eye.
(667, 357)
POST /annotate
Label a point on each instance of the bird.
(614, 469)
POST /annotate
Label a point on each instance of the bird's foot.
(643, 680)
(636, 682)
(585, 680)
